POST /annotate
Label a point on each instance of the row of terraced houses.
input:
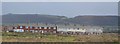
(54, 29)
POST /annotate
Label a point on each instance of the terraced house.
(71, 29)
(35, 28)
(58, 29)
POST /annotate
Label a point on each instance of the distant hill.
(95, 20)
(52, 19)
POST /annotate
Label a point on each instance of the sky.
(0, 8)
(69, 9)
(60, 0)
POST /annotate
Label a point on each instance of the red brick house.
(34, 29)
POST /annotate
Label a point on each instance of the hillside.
(52, 19)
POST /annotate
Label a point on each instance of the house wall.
(81, 30)
(76, 30)
(45, 29)
(18, 30)
(35, 29)
(95, 30)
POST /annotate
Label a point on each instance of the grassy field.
(36, 37)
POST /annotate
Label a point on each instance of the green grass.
(37, 37)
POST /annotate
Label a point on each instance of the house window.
(26, 26)
(47, 27)
(30, 27)
(15, 27)
(42, 27)
(54, 27)
(84, 29)
(77, 28)
(38, 27)
(21, 27)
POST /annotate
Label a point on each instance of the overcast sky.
(60, 0)
(69, 9)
